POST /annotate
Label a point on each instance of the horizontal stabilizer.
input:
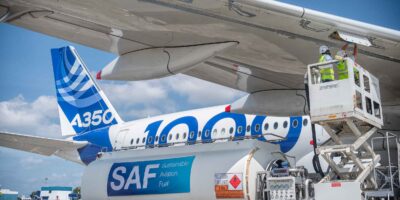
(36, 144)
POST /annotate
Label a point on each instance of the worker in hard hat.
(327, 73)
(342, 70)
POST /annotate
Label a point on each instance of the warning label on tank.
(229, 185)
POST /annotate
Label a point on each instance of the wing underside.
(276, 40)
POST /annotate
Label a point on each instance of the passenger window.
(305, 122)
(275, 125)
(163, 138)
(191, 134)
(170, 137)
(150, 139)
(368, 105)
(156, 138)
(132, 141)
(231, 130)
(377, 110)
(215, 132)
(295, 123)
(143, 140)
(358, 100)
(266, 126)
(223, 131)
(356, 77)
(199, 133)
(184, 135)
(239, 129)
(207, 133)
(285, 123)
(248, 128)
(177, 136)
(257, 127)
(366, 84)
(137, 141)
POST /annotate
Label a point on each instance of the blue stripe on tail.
(79, 98)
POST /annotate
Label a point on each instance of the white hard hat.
(323, 49)
(341, 53)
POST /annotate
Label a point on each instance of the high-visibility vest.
(343, 72)
(356, 74)
(327, 73)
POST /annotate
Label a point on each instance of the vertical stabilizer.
(82, 104)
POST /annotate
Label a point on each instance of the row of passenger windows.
(295, 123)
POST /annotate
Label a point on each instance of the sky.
(28, 104)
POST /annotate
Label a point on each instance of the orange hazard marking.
(235, 181)
(222, 192)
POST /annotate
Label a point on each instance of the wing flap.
(36, 144)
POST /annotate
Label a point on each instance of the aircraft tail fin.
(82, 105)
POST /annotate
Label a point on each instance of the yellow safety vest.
(356, 74)
(327, 74)
(343, 72)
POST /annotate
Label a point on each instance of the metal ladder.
(362, 162)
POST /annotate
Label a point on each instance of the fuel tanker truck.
(217, 170)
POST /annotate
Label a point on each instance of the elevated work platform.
(347, 105)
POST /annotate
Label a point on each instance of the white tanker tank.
(216, 170)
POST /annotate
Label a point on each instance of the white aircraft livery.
(94, 126)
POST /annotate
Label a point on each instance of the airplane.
(92, 124)
(256, 46)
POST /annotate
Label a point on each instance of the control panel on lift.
(342, 89)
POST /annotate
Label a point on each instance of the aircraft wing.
(38, 145)
(276, 40)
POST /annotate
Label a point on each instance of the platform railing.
(385, 175)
